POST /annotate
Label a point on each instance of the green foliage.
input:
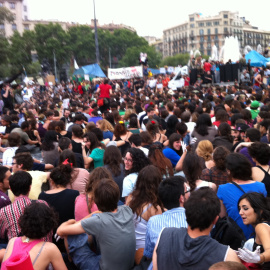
(4, 45)
(6, 15)
(33, 69)
(174, 61)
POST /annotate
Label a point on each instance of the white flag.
(76, 65)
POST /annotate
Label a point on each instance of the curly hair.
(219, 157)
(38, 220)
(139, 160)
(146, 190)
(105, 125)
(158, 159)
(260, 151)
(205, 150)
(192, 169)
(113, 158)
(62, 175)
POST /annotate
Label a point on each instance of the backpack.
(227, 232)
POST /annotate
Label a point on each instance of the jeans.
(83, 257)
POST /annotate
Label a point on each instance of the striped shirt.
(9, 218)
(175, 217)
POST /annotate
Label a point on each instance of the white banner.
(125, 73)
(162, 70)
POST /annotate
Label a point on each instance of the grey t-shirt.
(115, 235)
(24, 135)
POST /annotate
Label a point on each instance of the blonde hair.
(205, 150)
(128, 112)
(105, 125)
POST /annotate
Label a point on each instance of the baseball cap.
(255, 104)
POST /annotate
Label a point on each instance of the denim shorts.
(83, 257)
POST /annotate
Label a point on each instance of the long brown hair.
(146, 190)
(113, 158)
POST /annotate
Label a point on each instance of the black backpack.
(227, 232)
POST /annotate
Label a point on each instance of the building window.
(225, 16)
(225, 29)
(216, 30)
(26, 27)
(216, 23)
(191, 19)
(14, 27)
(201, 24)
(201, 32)
(226, 22)
(209, 23)
(12, 5)
(192, 25)
(209, 31)
(25, 18)
(25, 8)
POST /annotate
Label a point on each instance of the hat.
(111, 143)
(7, 118)
(241, 127)
(228, 98)
(255, 104)
(171, 92)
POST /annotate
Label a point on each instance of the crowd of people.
(129, 174)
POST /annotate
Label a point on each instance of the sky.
(148, 17)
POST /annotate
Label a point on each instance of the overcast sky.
(148, 17)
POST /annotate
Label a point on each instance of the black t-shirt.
(11, 127)
(139, 84)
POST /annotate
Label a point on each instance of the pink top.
(20, 247)
(81, 180)
(81, 208)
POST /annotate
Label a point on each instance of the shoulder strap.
(39, 253)
(146, 208)
(238, 187)
(260, 167)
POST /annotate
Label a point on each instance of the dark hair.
(170, 190)
(20, 183)
(225, 131)
(146, 190)
(181, 128)
(158, 159)
(260, 205)
(38, 220)
(171, 123)
(62, 175)
(77, 131)
(92, 138)
(25, 159)
(139, 160)
(113, 158)
(202, 124)
(14, 139)
(24, 125)
(260, 151)
(98, 132)
(219, 157)
(119, 130)
(106, 195)
(49, 139)
(133, 122)
(202, 207)
(146, 138)
(265, 123)
(68, 155)
(173, 138)
(136, 139)
(3, 171)
(64, 143)
(222, 116)
(235, 117)
(192, 169)
(59, 126)
(253, 134)
(153, 128)
(246, 115)
(239, 166)
(185, 116)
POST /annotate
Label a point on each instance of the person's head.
(146, 138)
(264, 125)
(95, 176)
(49, 139)
(66, 113)
(202, 124)
(169, 106)
(91, 141)
(113, 158)
(14, 139)
(175, 141)
(185, 116)
(192, 169)
(25, 126)
(120, 129)
(6, 120)
(202, 209)
(77, 131)
(146, 189)
(22, 162)
(205, 150)
(135, 140)
(4, 178)
(173, 192)
(219, 156)
(104, 125)
(260, 152)
(68, 155)
(133, 122)
(152, 127)
(59, 126)
(106, 195)
(64, 143)
(253, 135)
(222, 116)
(61, 176)
(238, 167)
(135, 160)
(79, 119)
(181, 128)
(228, 266)
(38, 220)
(253, 208)
(98, 133)
(20, 183)
(224, 130)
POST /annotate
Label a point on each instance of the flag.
(76, 65)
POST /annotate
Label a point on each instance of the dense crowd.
(129, 174)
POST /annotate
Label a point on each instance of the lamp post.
(96, 34)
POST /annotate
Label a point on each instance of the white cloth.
(129, 183)
(8, 156)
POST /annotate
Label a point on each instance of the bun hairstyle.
(62, 175)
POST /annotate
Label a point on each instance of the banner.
(162, 70)
(125, 73)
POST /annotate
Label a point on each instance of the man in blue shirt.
(173, 192)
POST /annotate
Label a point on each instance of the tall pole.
(110, 59)
(96, 34)
(55, 71)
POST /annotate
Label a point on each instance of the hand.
(193, 140)
(184, 146)
(57, 237)
(83, 144)
(249, 256)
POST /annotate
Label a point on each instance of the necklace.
(27, 239)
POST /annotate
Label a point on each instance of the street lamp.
(96, 34)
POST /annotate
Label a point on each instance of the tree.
(4, 45)
(6, 15)
(132, 55)
(52, 39)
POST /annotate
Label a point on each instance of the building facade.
(201, 33)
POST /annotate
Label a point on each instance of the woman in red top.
(105, 91)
